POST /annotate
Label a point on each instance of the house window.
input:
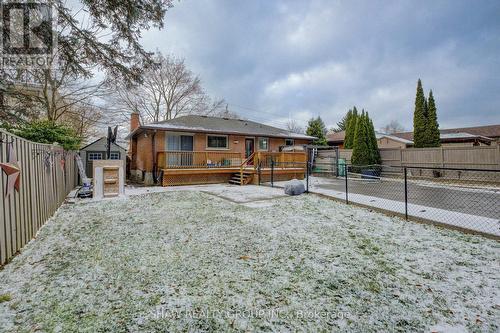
(95, 156)
(263, 143)
(289, 142)
(217, 141)
(114, 156)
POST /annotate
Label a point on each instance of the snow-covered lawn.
(482, 224)
(220, 258)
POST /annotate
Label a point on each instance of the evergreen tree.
(420, 118)
(361, 149)
(351, 129)
(375, 153)
(45, 131)
(342, 124)
(433, 135)
(316, 127)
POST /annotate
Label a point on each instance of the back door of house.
(249, 147)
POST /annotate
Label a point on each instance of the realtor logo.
(27, 36)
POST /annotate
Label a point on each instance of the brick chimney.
(134, 121)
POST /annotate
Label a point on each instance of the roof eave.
(192, 130)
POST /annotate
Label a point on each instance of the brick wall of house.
(142, 152)
(144, 161)
(236, 143)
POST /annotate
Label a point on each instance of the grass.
(302, 263)
(5, 298)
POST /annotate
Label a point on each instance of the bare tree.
(85, 120)
(393, 127)
(51, 93)
(223, 113)
(168, 90)
(294, 127)
(58, 92)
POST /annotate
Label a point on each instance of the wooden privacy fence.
(442, 157)
(48, 174)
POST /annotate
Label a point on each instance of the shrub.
(44, 131)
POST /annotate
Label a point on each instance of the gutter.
(146, 127)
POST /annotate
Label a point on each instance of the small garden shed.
(97, 151)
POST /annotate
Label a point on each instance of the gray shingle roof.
(207, 124)
(490, 131)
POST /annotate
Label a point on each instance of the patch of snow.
(457, 219)
(189, 260)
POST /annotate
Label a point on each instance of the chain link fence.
(466, 199)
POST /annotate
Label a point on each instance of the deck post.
(259, 173)
(307, 176)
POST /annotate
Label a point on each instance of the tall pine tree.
(365, 151)
(433, 135)
(375, 153)
(342, 124)
(316, 127)
(420, 118)
(351, 129)
(361, 149)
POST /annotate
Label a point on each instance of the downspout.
(153, 148)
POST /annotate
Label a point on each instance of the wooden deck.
(191, 168)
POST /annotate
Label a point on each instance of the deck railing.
(281, 159)
(198, 159)
(216, 159)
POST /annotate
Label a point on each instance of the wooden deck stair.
(240, 178)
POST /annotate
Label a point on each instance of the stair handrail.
(245, 162)
(243, 165)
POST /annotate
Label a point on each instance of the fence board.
(446, 157)
(41, 192)
(3, 218)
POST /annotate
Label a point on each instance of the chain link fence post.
(406, 193)
(346, 187)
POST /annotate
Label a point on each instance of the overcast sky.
(275, 60)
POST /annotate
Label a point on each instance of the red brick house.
(200, 149)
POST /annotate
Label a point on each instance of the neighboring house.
(200, 149)
(383, 140)
(450, 137)
(469, 136)
(391, 141)
(97, 151)
(14, 108)
(489, 131)
(336, 139)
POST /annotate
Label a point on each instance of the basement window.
(217, 141)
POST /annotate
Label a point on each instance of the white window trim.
(117, 154)
(268, 143)
(293, 142)
(177, 133)
(212, 148)
(92, 154)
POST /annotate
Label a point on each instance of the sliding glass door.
(180, 143)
